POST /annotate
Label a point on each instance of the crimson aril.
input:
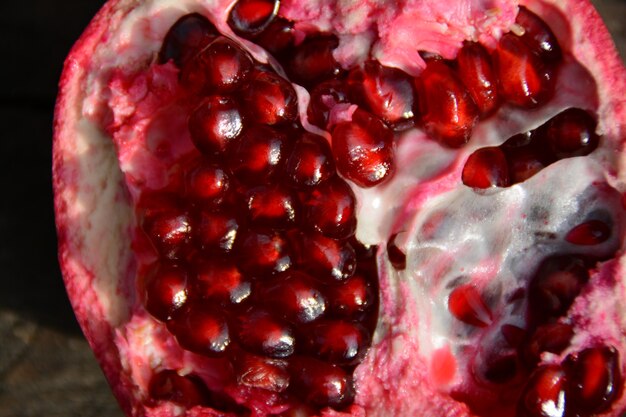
(289, 208)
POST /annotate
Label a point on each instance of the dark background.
(46, 367)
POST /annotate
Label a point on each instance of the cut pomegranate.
(314, 209)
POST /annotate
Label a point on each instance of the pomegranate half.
(338, 208)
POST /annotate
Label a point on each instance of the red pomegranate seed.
(351, 298)
(270, 99)
(570, 133)
(336, 341)
(170, 232)
(324, 97)
(169, 386)
(544, 394)
(538, 36)
(185, 38)
(219, 280)
(166, 291)
(499, 366)
(313, 61)
(524, 162)
(321, 384)
(594, 379)
(363, 149)
(513, 335)
(221, 67)
(592, 232)
(310, 162)
(467, 305)
(261, 372)
(447, 110)
(295, 296)
(325, 259)
(477, 73)
(216, 231)
(271, 206)
(249, 17)
(556, 284)
(552, 337)
(215, 124)
(395, 254)
(278, 37)
(387, 92)
(525, 81)
(261, 333)
(485, 168)
(330, 209)
(201, 329)
(258, 155)
(263, 252)
(207, 183)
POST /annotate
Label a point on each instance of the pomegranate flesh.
(337, 208)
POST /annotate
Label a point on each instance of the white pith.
(93, 209)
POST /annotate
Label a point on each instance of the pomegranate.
(336, 208)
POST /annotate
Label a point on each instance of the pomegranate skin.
(95, 219)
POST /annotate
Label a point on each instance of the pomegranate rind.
(95, 220)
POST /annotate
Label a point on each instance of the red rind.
(76, 158)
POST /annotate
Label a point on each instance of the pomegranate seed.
(201, 329)
(207, 183)
(594, 379)
(552, 337)
(270, 99)
(215, 124)
(524, 80)
(351, 298)
(500, 367)
(169, 386)
(263, 252)
(524, 162)
(545, 393)
(221, 67)
(278, 37)
(166, 291)
(477, 73)
(271, 205)
(485, 168)
(592, 232)
(261, 372)
(321, 384)
(538, 36)
(216, 231)
(325, 259)
(258, 155)
(188, 35)
(397, 258)
(466, 304)
(337, 341)
(330, 209)
(220, 280)
(363, 149)
(295, 296)
(387, 92)
(324, 97)
(447, 109)
(170, 233)
(310, 162)
(556, 284)
(570, 133)
(313, 61)
(250, 17)
(263, 334)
